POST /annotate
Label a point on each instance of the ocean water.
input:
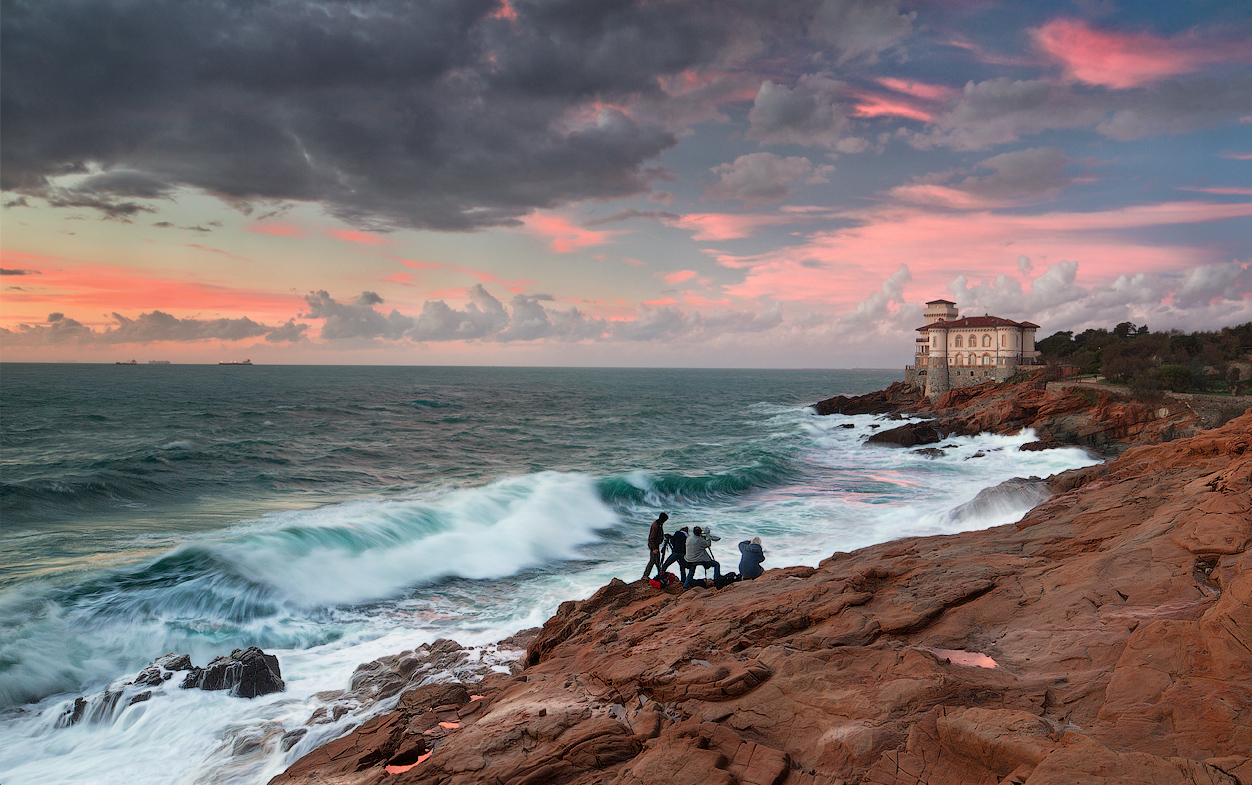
(332, 515)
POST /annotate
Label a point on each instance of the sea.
(333, 515)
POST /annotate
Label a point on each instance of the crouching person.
(700, 555)
(750, 560)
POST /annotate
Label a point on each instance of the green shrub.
(1176, 377)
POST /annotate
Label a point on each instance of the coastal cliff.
(1104, 638)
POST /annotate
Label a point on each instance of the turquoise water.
(335, 514)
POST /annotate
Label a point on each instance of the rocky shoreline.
(1105, 638)
(1102, 418)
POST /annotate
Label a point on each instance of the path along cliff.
(1104, 638)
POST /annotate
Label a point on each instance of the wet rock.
(73, 713)
(899, 395)
(930, 452)
(291, 738)
(909, 435)
(246, 673)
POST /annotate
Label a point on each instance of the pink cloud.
(869, 105)
(1237, 156)
(505, 11)
(67, 284)
(276, 229)
(404, 279)
(926, 92)
(361, 238)
(1123, 60)
(416, 265)
(728, 226)
(680, 276)
(1220, 191)
(564, 236)
(831, 268)
(942, 196)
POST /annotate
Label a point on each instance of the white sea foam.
(363, 551)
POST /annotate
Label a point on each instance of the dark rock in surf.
(246, 673)
(896, 397)
(162, 669)
(909, 435)
(73, 713)
(930, 452)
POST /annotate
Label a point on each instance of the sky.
(661, 183)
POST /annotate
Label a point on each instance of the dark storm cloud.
(14, 271)
(441, 114)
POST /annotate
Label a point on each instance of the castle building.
(953, 352)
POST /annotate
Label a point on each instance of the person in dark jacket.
(750, 560)
(678, 553)
(656, 535)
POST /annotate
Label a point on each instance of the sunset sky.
(606, 182)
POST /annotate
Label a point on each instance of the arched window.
(958, 342)
(986, 340)
(959, 361)
(986, 359)
(972, 359)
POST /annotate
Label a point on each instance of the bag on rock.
(726, 580)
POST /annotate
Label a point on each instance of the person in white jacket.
(700, 555)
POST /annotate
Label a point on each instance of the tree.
(1234, 377)
(1124, 329)
(1057, 344)
(1176, 377)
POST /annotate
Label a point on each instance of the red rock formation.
(1117, 615)
(1094, 418)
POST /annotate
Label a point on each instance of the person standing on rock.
(700, 555)
(656, 535)
(678, 553)
(752, 554)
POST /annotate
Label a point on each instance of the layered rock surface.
(1105, 638)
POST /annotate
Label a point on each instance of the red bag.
(654, 583)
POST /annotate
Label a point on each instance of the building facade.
(953, 351)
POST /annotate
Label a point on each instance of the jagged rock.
(907, 435)
(1102, 638)
(246, 673)
(929, 452)
(73, 713)
(162, 669)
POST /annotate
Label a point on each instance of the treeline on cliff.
(1151, 362)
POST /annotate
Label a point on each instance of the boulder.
(909, 435)
(246, 673)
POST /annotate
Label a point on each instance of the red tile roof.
(977, 321)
